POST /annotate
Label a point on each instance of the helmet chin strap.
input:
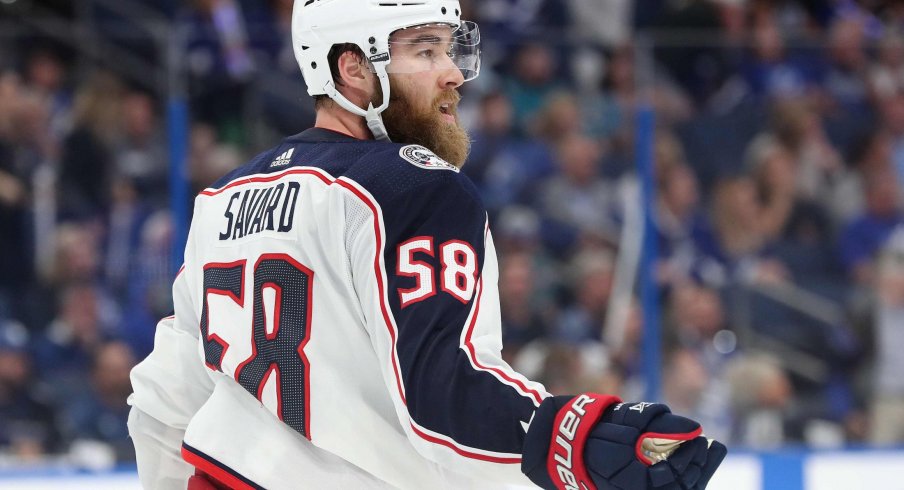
(373, 114)
(376, 125)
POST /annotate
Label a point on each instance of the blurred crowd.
(779, 164)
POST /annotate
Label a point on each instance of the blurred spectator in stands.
(77, 254)
(85, 160)
(566, 368)
(608, 113)
(871, 152)
(769, 71)
(14, 199)
(27, 420)
(892, 117)
(733, 15)
(590, 276)
(817, 164)
(282, 19)
(761, 397)
(36, 144)
(775, 173)
(701, 346)
(893, 14)
(800, 224)
(220, 64)
(688, 388)
(602, 23)
(517, 231)
(45, 76)
(123, 227)
(887, 71)
(149, 291)
(282, 92)
(608, 110)
(139, 154)
(677, 212)
(76, 259)
(847, 80)
(888, 329)
(63, 354)
(699, 68)
(508, 22)
(99, 412)
(697, 323)
(532, 79)
(559, 118)
(526, 314)
(209, 159)
(493, 134)
(862, 237)
(578, 203)
(506, 167)
(737, 248)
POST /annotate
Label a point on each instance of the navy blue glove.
(595, 442)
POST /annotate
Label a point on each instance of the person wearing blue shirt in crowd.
(862, 237)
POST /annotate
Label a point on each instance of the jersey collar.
(321, 135)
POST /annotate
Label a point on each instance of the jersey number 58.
(280, 328)
(458, 275)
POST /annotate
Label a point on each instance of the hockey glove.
(595, 442)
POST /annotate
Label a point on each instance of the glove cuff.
(572, 426)
(553, 455)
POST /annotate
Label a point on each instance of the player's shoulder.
(262, 163)
(389, 172)
(393, 171)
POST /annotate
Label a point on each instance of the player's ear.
(356, 81)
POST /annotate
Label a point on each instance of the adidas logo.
(283, 159)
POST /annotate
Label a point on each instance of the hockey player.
(337, 318)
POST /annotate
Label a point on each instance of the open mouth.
(447, 111)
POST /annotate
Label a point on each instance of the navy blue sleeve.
(441, 224)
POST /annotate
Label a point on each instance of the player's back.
(270, 269)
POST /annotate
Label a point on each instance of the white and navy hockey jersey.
(336, 325)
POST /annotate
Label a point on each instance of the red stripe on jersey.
(473, 354)
(467, 454)
(267, 178)
(379, 277)
(215, 471)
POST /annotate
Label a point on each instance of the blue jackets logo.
(424, 158)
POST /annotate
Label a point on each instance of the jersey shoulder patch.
(420, 156)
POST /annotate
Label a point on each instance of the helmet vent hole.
(314, 65)
(456, 13)
(444, 10)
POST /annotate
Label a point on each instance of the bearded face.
(433, 124)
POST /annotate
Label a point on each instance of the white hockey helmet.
(318, 25)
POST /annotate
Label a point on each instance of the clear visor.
(431, 47)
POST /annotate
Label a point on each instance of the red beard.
(427, 127)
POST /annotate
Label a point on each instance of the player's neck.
(343, 122)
